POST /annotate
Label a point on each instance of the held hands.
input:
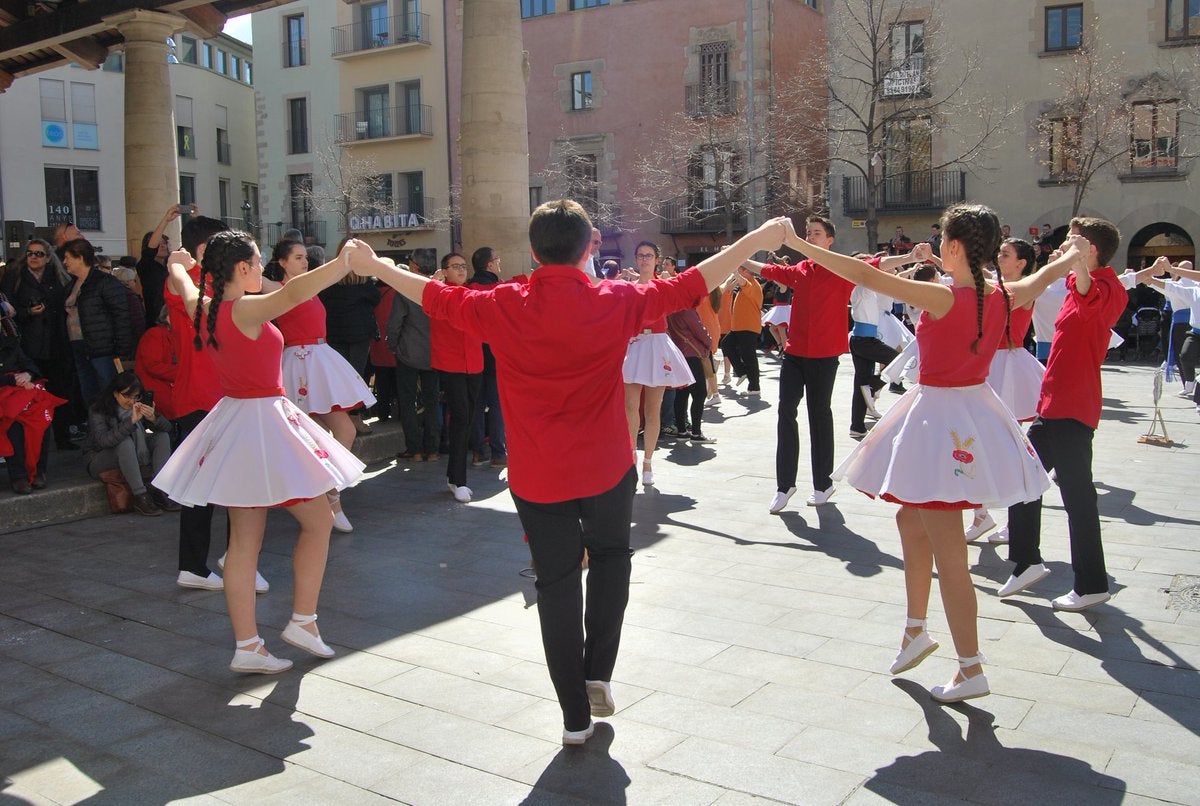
(922, 252)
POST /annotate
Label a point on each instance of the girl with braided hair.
(255, 449)
(949, 443)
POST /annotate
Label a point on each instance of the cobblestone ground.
(753, 666)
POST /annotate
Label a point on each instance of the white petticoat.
(904, 367)
(1016, 376)
(256, 452)
(948, 448)
(319, 380)
(653, 360)
(893, 333)
(777, 315)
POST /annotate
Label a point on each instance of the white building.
(62, 141)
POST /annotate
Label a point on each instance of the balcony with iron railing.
(906, 77)
(682, 215)
(309, 229)
(359, 37)
(907, 192)
(711, 99)
(407, 213)
(414, 120)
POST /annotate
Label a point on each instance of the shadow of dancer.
(588, 774)
(975, 767)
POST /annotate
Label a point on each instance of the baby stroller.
(1146, 329)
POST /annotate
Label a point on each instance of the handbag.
(120, 494)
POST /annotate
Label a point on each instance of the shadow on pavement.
(586, 774)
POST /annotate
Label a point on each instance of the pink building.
(662, 116)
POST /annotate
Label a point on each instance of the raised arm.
(254, 310)
(156, 236)
(717, 268)
(933, 297)
(1027, 289)
(364, 261)
(180, 283)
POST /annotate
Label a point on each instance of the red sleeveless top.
(304, 324)
(247, 367)
(945, 344)
(1018, 325)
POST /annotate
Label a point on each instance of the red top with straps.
(304, 324)
(196, 385)
(247, 367)
(945, 344)
(1018, 325)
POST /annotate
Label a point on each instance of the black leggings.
(696, 394)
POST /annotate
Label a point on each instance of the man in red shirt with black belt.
(1068, 414)
(559, 342)
(817, 335)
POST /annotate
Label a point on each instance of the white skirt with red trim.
(256, 452)
(904, 367)
(777, 315)
(319, 380)
(947, 448)
(1016, 376)
(653, 360)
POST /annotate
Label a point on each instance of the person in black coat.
(350, 325)
(37, 286)
(98, 323)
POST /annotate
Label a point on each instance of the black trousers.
(1064, 446)
(462, 398)
(799, 378)
(195, 523)
(15, 464)
(417, 404)
(866, 353)
(59, 373)
(742, 348)
(1189, 357)
(692, 397)
(581, 642)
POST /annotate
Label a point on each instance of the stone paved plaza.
(753, 666)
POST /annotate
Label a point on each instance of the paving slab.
(752, 668)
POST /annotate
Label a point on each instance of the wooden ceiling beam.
(86, 52)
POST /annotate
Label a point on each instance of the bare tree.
(893, 84)
(1103, 119)
(710, 171)
(349, 184)
(573, 172)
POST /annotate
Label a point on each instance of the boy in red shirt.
(1068, 414)
(559, 342)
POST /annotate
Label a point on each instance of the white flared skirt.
(893, 333)
(777, 315)
(947, 448)
(904, 367)
(256, 452)
(1016, 377)
(318, 380)
(653, 360)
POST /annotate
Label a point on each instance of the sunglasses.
(32, 253)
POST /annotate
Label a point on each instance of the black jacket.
(350, 312)
(104, 316)
(43, 335)
(14, 360)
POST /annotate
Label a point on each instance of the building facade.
(656, 114)
(62, 140)
(1101, 99)
(353, 136)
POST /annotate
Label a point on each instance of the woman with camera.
(125, 432)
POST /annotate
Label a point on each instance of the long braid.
(224, 251)
(1007, 309)
(980, 288)
(218, 294)
(977, 228)
(197, 342)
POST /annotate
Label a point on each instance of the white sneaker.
(820, 497)
(461, 494)
(999, 537)
(725, 379)
(1075, 602)
(1017, 583)
(713, 399)
(741, 379)
(341, 523)
(978, 530)
(212, 582)
(869, 397)
(781, 500)
(600, 697)
(260, 585)
(857, 435)
(576, 737)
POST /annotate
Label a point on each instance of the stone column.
(151, 165)
(494, 133)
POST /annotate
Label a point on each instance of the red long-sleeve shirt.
(817, 328)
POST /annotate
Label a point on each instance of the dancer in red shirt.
(1068, 414)
(559, 342)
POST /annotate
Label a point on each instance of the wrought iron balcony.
(711, 99)
(909, 192)
(681, 216)
(414, 120)
(403, 29)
